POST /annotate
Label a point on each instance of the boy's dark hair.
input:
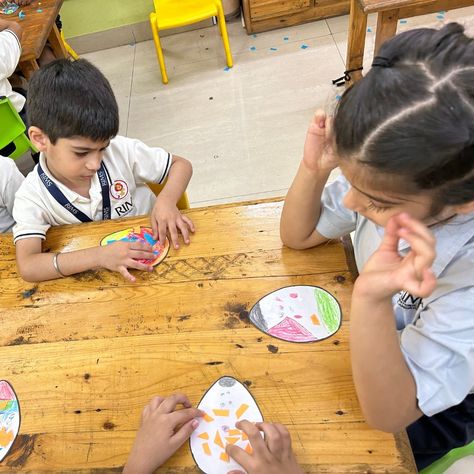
(412, 116)
(72, 98)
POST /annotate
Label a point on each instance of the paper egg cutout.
(225, 402)
(9, 417)
(139, 234)
(297, 314)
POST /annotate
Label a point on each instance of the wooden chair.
(389, 12)
(183, 202)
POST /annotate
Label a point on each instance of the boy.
(10, 181)
(164, 429)
(87, 173)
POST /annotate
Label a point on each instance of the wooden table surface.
(38, 27)
(86, 353)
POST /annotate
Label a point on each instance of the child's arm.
(384, 383)
(34, 265)
(12, 26)
(270, 454)
(163, 430)
(302, 206)
(165, 215)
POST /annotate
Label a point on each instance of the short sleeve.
(10, 52)
(12, 179)
(32, 219)
(149, 164)
(335, 220)
(439, 350)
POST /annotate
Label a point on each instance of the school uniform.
(117, 190)
(436, 333)
(10, 52)
(10, 181)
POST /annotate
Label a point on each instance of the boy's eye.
(81, 154)
(371, 205)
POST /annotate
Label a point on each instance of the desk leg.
(386, 27)
(56, 43)
(356, 40)
(28, 68)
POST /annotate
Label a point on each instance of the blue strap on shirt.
(62, 199)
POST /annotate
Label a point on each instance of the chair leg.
(225, 38)
(159, 51)
(69, 50)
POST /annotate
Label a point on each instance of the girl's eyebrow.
(378, 199)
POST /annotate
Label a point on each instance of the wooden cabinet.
(263, 15)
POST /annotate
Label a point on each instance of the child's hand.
(120, 256)
(162, 431)
(166, 217)
(270, 455)
(318, 147)
(387, 272)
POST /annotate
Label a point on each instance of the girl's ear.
(39, 139)
(466, 208)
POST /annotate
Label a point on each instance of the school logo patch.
(407, 301)
(119, 189)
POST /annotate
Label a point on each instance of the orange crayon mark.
(203, 435)
(6, 437)
(206, 449)
(231, 440)
(241, 410)
(208, 418)
(315, 319)
(248, 448)
(219, 412)
(224, 457)
(218, 440)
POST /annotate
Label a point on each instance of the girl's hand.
(163, 430)
(270, 454)
(387, 272)
(166, 217)
(120, 256)
(318, 148)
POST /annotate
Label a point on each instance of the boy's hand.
(162, 431)
(318, 147)
(272, 454)
(166, 217)
(120, 256)
(387, 272)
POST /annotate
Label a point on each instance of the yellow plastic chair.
(183, 202)
(174, 13)
(13, 139)
(68, 48)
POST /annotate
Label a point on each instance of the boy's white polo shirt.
(10, 52)
(10, 181)
(437, 332)
(128, 164)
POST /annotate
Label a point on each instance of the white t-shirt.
(128, 165)
(10, 52)
(10, 181)
(436, 333)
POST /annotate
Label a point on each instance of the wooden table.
(389, 12)
(86, 353)
(38, 27)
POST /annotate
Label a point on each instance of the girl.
(404, 140)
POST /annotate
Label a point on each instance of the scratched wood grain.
(86, 353)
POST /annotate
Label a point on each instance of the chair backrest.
(183, 202)
(11, 125)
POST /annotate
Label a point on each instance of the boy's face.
(73, 161)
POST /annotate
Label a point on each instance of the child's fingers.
(390, 236)
(174, 235)
(415, 226)
(238, 455)
(190, 223)
(235, 472)
(272, 437)
(155, 402)
(162, 228)
(285, 436)
(319, 118)
(255, 438)
(169, 404)
(424, 251)
(180, 417)
(183, 433)
(183, 227)
(422, 287)
(154, 228)
(124, 272)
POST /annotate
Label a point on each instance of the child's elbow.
(291, 241)
(384, 422)
(26, 271)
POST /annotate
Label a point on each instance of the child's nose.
(93, 164)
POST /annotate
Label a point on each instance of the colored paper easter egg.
(9, 417)
(297, 314)
(140, 234)
(225, 402)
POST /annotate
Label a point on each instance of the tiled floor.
(243, 128)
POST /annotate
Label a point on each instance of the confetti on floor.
(369, 30)
(273, 49)
(403, 22)
(304, 46)
(285, 38)
(253, 48)
(254, 36)
(440, 17)
(227, 68)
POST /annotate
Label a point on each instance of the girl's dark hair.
(412, 115)
(72, 98)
